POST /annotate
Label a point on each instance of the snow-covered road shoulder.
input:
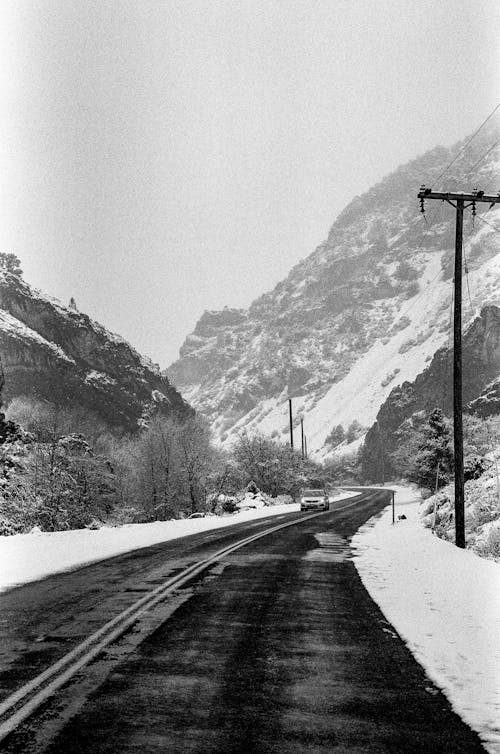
(444, 602)
(30, 557)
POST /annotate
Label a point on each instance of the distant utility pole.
(302, 436)
(459, 201)
(382, 461)
(291, 421)
(305, 446)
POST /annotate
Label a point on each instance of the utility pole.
(459, 201)
(305, 446)
(302, 436)
(382, 461)
(291, 421)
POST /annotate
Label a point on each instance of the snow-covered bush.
(488, 544)
(273, 466)
(58, 483)
(8, 528)
(282, 500)
(482, 514)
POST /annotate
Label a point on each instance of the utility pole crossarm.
(450, 196)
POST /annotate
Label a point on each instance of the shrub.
(405, 271)
(412, 289)
(490, 547)
(354, 430)
(8, 528)
(336, 436)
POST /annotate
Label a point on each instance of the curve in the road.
(17, 707)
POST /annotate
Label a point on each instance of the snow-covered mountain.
(433, 388)
(363, 313)
(59, 354)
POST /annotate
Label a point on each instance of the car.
(199, 514)
(314, 499)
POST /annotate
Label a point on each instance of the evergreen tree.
(354, 430)
(336, 436)
(10, 263)
(435, 454)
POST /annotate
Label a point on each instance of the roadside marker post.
(393, 508)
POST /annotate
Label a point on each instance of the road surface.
(276, 648)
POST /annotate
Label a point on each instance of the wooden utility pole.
(302, 435)
(291, 421)
(459, 201)
(381, 441)
(305, 446)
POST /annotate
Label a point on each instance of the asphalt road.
(278, 648)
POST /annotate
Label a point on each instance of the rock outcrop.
(434, 389)
(488, 403)
(58, 354)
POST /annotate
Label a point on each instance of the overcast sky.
(162, 157)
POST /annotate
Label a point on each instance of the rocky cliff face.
(434, 389)
(365, 312)
(59, 354)
(488, 402)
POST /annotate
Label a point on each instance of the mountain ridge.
(364, 311)
(56, 353)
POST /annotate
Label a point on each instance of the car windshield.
(312, 493)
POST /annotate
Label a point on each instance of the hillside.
(58, 354)
(433, 388)
(365, 312)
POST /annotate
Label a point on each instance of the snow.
(99, 378)
(401, 355)
(361, 392)
(29, 557)
(159, 397)
(17, 329)
(445, 604)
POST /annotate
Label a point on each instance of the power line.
(460, 151)
(469, 172)
(447, 353)
(480, 217)
(466, 270)
(422, 293)
(428, 287)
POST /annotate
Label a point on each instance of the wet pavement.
(278, 648)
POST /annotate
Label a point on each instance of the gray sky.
(159, 158)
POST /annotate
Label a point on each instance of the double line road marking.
(17, 707)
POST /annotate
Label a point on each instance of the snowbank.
(29, 557)
(445, 604)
